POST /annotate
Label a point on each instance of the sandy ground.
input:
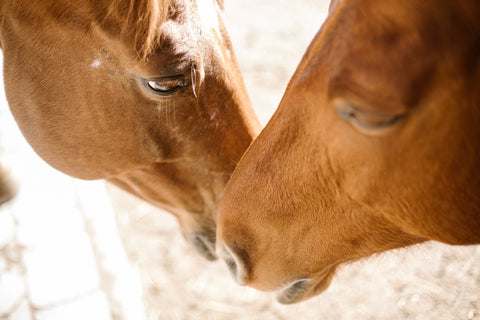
(431, 281)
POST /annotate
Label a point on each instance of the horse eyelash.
(193, 74)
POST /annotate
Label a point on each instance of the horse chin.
(205, 244)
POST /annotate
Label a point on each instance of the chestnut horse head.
(375, 145)
(144, 93)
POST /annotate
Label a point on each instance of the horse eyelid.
(360, 117)
(154, 85)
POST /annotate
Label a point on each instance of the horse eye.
(367, 120)
(166, 87)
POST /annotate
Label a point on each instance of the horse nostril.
(294, 291)
(231, 264)
(235, 264)
(8, 186)
(205, 244)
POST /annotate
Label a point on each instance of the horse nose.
(236, 261)
(204, 243)
(294, 292)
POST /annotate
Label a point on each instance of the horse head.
(374, 146)
(146, 94)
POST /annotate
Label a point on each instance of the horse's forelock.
(140, 19)
(146, 16)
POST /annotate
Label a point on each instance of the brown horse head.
(375, 145)
(144, 93)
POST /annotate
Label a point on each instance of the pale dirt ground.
(431, 281)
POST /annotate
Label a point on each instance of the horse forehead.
(197, 14)
(182, 32)
(397, 48)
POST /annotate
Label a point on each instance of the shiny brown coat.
(374, 146)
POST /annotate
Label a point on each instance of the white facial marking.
(95, 64)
